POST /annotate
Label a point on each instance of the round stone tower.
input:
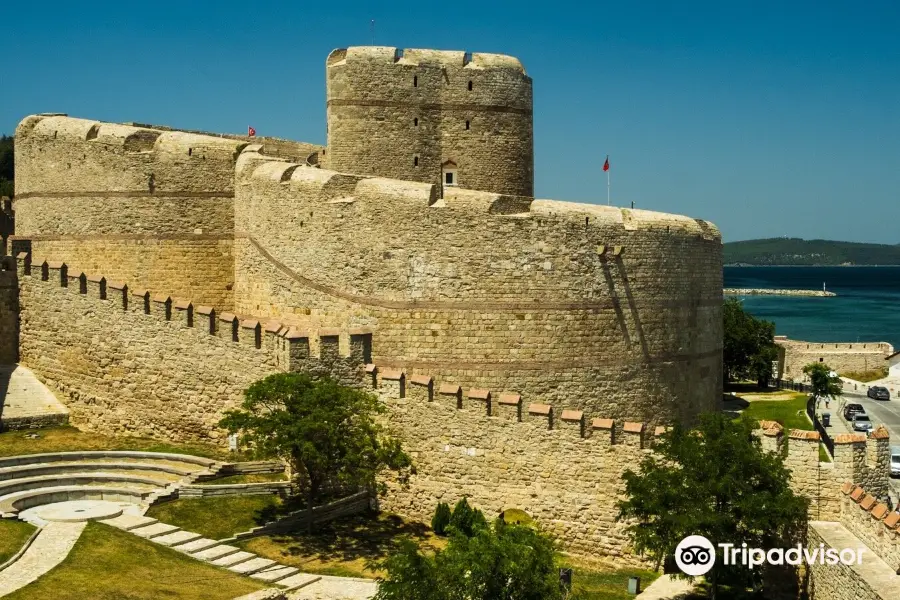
(448, 118)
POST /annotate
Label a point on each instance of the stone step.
(233, 559)
(275, 574)
(211, 554)
(155, 530)
(128, 522)
(252, 566)
(178, 537)
(300, 580)
(196, 545)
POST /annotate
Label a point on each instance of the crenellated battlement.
(420, 57)
(290, 348)
(866, 515)
(130, 138)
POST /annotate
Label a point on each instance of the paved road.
(882, 412)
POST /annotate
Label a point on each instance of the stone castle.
(528, 350)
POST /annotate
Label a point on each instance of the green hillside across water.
(795, 251)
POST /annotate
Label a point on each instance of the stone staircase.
(25, 402)
(213, 552)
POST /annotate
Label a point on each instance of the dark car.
(876, 392)
(851, 410)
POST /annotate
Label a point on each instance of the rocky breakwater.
(768, 292)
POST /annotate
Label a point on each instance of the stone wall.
(136, 363)
(7, 224)
(843, 358)
(614, 311)
(406, 113)
(501, 452)
(872, 522)
(9, 313)
(858, 459)
(148, 206)
(836, 582)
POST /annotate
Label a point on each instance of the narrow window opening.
(470, 86)
(467, 125)
(190, 151)
(416, 122)
(415, 81)
(415, 161)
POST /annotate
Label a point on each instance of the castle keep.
(534, 342)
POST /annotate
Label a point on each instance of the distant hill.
(795, 251)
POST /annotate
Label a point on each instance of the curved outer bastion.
(614, 311)
(153, 208)
(410, 114)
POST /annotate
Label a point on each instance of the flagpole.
(607, 185)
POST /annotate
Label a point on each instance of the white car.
(862, 423)
(895, 461)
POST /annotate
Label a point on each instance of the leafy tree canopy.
(715, 481)
(823, 383)
(496, 562)
(325, 431)
(748, 349)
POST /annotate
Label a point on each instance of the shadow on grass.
(748, 387)
(368, 536)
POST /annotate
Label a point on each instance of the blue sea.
(866, 308)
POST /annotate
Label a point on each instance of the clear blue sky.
(767, 118)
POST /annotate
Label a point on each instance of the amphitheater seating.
(135, 477)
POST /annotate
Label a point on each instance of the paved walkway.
(666, 587)
(49, 548)
(873, 570)
(26, 402)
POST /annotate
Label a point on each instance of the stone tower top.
(446, 117)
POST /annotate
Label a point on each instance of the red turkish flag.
(606, 164)
(251, 132)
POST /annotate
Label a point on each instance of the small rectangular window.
(415, 81)
(449, 178)
(467, 125)
(415, 161)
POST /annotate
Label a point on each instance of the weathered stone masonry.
(128, 361)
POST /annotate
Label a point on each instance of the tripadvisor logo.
(695, 555)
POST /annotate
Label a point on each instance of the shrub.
(465, 519)
(441, 518)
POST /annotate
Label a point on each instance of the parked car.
(862, 423)
(853, 409)
(877, 392)
(895, 461)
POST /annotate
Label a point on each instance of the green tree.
(825, 383)
(326, 432)
(466, 519)
(497, 562)
(748, 348)
(441, 518)
(715, 481)
(7, 165)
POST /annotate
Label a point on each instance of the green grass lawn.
(67, 439)
(249, 478)
(13, 535)
(596, 583)
(790, 412)
(218, 518)
(108, 564)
